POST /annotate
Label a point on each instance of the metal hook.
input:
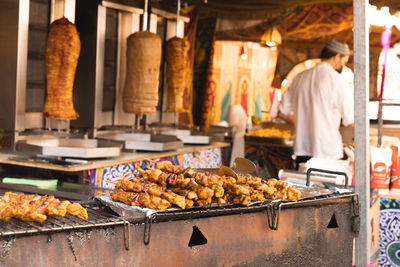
(273, 210)
(127, 233)
(147, 228)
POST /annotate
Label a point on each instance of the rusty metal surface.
(303, 238)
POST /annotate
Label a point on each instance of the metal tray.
(130, 212)
(144, 141)
(220, 130)
(70, 147)
(187, 138)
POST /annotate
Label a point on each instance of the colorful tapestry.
(108, 176)
(234, 80)
(301, 23)
(317, 20)
(202, 54)
(210, 158)
(389, 233)
(190, 35)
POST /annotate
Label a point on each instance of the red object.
(244, 102)
(380, 176)
(42, 209)
(272, 96)
(385, 42)
(395, 170)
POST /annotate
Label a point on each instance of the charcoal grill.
(298, 234)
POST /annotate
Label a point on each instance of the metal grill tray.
(137, 215)
(187, 138)
(144, 141)
(71, 147)
(204, 212)
(97, 218)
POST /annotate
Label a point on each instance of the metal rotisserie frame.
(316, 232)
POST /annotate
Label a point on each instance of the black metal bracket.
(329, 172)
(273, 210)
(147, 228)
(127, 234)
(356, 205)
(355, 224)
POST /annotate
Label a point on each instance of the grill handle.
(329, 172)
(147, 227)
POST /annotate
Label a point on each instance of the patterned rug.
(389, 233)
(107, 177)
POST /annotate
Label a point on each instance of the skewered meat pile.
(36, 207)
(62, 53)
(142, 72)
(177, 58)
(169, 185)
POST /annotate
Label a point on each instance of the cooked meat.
(62, 53)
(36, 207)
(169, 185)
(177, 60)
(142, 72)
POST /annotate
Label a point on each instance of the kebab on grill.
(62, 53)
(36, 207)
(140, 199)
(168, 185)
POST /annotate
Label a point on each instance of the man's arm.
(285, 107)
(288, 118)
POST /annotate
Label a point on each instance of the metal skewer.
(178, 11)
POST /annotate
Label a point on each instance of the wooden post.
(361, 127)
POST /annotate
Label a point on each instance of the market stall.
(116, 90)
(132, 226)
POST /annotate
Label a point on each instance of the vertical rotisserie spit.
(62, 53)
(176, 57)
(142, 73)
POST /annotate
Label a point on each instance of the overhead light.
(243, 52)
(271, 37)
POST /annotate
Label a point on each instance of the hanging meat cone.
(177, 58)
(62, 53)
(142, 73)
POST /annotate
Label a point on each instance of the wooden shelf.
(125, 157)
(390, 194)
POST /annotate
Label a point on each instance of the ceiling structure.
(247, 20)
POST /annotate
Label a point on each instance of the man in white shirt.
(317, 101)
